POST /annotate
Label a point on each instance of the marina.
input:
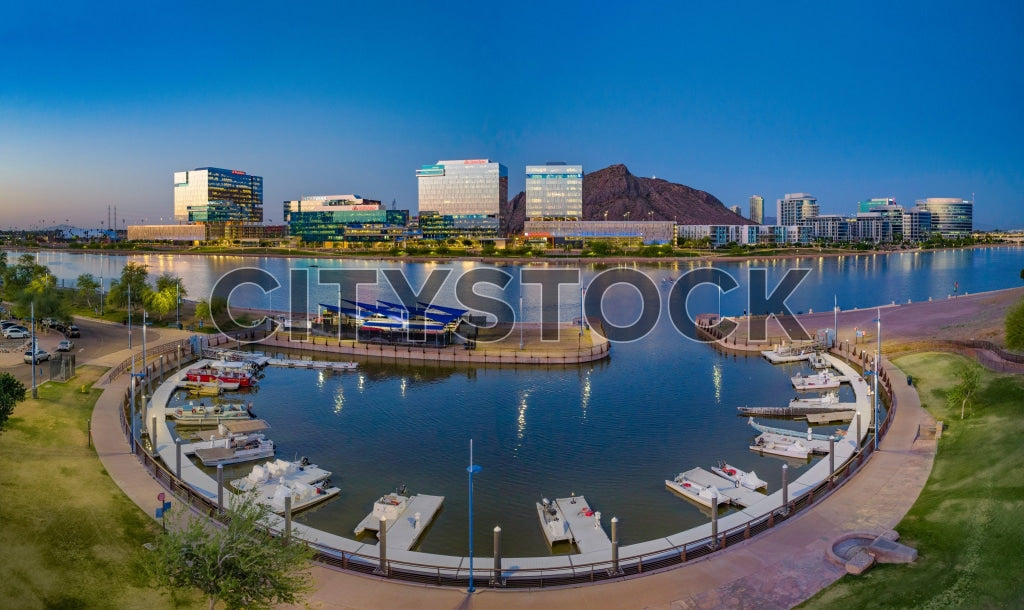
(407, 518)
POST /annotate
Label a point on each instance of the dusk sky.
(101, 102)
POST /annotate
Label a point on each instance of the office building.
(737, 210)
(214, 195)
(757, 209)
(630, 231)
(869, 205)
(794, 208)
(330, 219)
(952, 218)
(473, 193)
(554, 191)
(917, 224)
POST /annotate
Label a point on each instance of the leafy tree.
(164, 299)
(962, 394)
(133, 280)
(240, 564)
(1015, 327)
(12, 392)
(86, 286)
(487, 247)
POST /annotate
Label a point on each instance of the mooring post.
(288, 518)
(220, 487)
(497, 579)
(831, 454)
(714, 516)
(785, 489)
(615, 546)
(177, 462)
(382, 534)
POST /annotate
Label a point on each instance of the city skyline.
(866, 101)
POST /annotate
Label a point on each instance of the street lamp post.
(521, 323)
(878, 368)
(472, 469)
(32, 309)
(129, 316)
(177, 303)
(835, 320)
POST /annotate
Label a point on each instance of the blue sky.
(101, 102)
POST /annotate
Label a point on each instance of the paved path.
(777, 569)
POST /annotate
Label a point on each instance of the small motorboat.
(749, 480)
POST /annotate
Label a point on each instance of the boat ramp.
(731, 491)
(585, 524)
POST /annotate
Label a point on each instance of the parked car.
(40, 356)
(66, 345)
(7, 324)
(15, 332)
(73, 331)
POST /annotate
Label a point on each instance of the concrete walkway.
(777, 569)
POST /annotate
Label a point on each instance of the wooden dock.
(585, 524)
(736, 493)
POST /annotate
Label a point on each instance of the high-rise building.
(794, 208)
(869, 205)
(757, 209)
(917, 224)
(737, 210)
(952, 218)
(214, 195)
(473, 192)
(554, 191)
(344, 218)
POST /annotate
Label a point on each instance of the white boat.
(749, 480)
(306, 483)
(787, 353)
(782, 446)
(554, 524)
(828, 399)
(390, 506)
(207, 416)
(695, 491)
(232, 451)
(818, 361)
(819, 381)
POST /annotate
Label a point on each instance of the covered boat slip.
(433, 565)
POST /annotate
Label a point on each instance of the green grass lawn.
(966, 525)
(69, 537)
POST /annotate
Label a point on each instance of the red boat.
(243, 378)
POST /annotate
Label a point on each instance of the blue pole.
(471, 470)
(878, 367)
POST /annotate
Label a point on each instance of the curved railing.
(631, 565)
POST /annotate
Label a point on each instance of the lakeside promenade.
(776, 569)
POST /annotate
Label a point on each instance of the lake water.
(612, 430)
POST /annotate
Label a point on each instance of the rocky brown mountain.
(613, 193)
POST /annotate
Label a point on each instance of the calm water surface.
(612, 431)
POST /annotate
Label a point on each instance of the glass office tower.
(554, 191)
(211, 194)
(952, 218)
(467, 189)
(757, 209)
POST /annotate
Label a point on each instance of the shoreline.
(575, 261)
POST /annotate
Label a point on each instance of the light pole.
(143, 340)
(472, 469)
(129, 316)
(520, 322)
(101, 294)
(177, 303)
(835, 320)
(32, 310)
(878, 367)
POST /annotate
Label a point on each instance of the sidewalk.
(777, 569)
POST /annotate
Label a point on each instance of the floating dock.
(405, 530)
(828, 417)
(312, 364)
(585, 524)
(814, 445)
(798, 411)
(736, 493)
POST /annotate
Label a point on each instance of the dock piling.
(382, 534)
(288, 518)
(177, 461)
(220, 487)
(831, 454)
(496, 579)
(615, 547)
(785, 489)
(714, 515)
(856, 439)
